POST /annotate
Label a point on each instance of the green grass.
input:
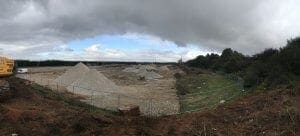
(69, 101)
(202, 91)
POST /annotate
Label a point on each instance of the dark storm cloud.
(242, 25)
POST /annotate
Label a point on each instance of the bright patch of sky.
(128, 42)
(127, 47)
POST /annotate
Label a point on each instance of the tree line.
(45, 63)
(269, 68)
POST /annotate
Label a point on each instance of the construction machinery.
(6, 67)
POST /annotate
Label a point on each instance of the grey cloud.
(214, 24)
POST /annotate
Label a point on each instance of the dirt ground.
(36, 112)
(273, 113)
(30, 112)
(155, 97)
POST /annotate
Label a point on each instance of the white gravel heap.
(148, 67)
(133, 69)
(150, 75)
(146, 71)
(72, 74)
(93, 81)
(164, 68)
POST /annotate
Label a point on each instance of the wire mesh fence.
(108, 100)
(113, 100)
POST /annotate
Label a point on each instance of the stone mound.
(146, 71)
(148, 68)
(132, 69)
(148, 75)
(72, 74)
(164, 68)
(93, 80)
(129, 110)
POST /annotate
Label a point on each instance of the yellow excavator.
(6, 67)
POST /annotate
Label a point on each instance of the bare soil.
(268, 113)
(30, 112)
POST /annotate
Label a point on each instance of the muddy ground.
(32, 111)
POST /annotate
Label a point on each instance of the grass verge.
(200, 91)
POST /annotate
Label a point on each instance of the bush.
(271, 67)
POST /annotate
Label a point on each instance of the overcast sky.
(161, 30)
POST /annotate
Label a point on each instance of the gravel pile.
(72, 74)
(93, 81)
(145, 71)
(164, 68)
(80, 79)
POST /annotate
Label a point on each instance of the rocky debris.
(222, 101)
(129, 110)
(133, 69)
(164, 68)
(148, 68)
(4, 90)
(27, 82)
(149, 75)
(4, 85)
(144, 71)
(179, 74)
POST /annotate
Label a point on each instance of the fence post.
(119, 100)
(150, 106)
(57, 87)
(102, 101)
(92, 97)
(180, 106)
